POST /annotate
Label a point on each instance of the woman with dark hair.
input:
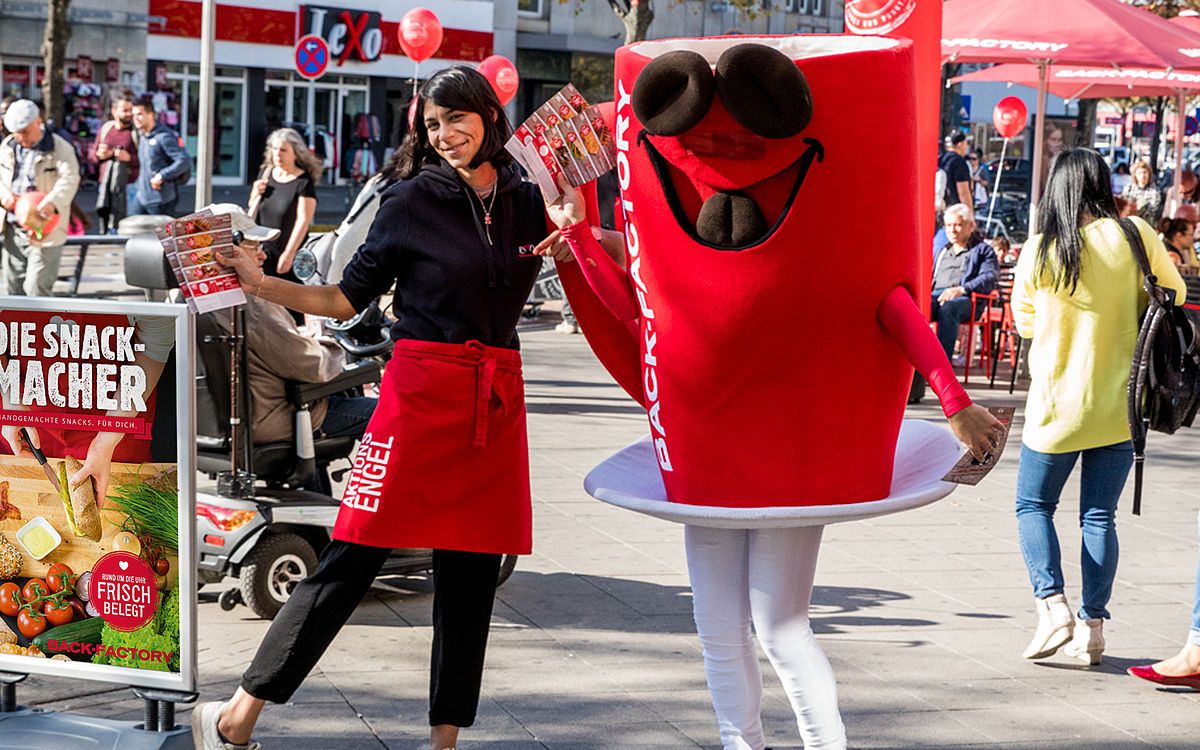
(444, 462)
(1078, 296)
(1178, 237)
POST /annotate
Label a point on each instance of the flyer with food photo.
(191, 245)
(89, 489)
(564, 135)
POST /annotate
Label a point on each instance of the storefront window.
(16, 80)
(229, 130)
(179, 107)
(359, 129)
(530, 7)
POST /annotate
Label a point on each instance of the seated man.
(276, 353)
(966, 265)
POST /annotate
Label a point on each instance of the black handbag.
(1164, 376)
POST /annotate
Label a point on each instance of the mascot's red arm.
(610, 324)
(905, 323)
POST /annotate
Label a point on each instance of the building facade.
(351, 115)
(559, 41)
(356, 112)
(106, 53)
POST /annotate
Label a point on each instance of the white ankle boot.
(1053, 629)
(1088, 644)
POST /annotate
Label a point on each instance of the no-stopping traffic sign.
(312, 57)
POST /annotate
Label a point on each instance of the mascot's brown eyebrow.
(761, 88)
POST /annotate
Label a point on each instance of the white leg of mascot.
(772, 351)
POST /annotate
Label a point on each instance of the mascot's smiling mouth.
(730, 220)
(763, 98)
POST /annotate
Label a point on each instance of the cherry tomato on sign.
(58, 576)
(59, 613)
(30, 625)
(10, 599)
(34, 588)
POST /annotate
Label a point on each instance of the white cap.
(19, 114)
(243, 223)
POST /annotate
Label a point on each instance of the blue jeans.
(348, 417)
(949, 315)
(137, 208)
(1040, 480)
(1194, 635)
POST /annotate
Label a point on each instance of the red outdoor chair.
(986, 314)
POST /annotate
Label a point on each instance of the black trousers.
(464, 590)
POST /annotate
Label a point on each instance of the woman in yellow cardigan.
(1078, 297)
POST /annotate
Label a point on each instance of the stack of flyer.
(566, 135)
(191, 245)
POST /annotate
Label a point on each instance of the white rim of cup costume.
(630, 479)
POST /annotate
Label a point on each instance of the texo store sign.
(350, 34)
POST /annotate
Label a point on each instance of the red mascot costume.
(772, 351)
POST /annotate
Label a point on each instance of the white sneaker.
(1088, 644)
(1053, 629)
(204, 729)
(567, 327)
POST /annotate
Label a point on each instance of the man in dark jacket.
(162, 160)
(966, 265)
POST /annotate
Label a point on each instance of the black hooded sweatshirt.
(452, 284)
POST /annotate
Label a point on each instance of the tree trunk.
(1086, 122)
(636, 15)
(54, 53)
(1160, 106)
(951, 99)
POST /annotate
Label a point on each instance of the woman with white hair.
(285, 198)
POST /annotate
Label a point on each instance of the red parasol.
(1074, 32)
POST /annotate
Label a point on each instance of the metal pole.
(1039, 128)
(1180, 127)
(237, 320)
(996, 189)
(208, 103)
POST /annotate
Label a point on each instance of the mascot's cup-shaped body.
(769, 195)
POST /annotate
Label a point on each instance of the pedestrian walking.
(954, 164)
(1077, 297)
(116, 150)
(34, 160)
(163, 163)
(285, 198)
(444, 462)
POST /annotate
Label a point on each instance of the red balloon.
(1010, 116)
(420, 34)
(29, 218)
(502, 74)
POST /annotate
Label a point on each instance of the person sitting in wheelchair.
(277, 353)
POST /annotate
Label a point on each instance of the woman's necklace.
(487, 209)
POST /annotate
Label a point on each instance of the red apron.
(444, 463)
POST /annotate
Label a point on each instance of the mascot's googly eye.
(674, 92)
(763, 90)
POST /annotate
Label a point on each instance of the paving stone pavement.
(923, 615)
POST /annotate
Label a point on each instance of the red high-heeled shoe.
(1146, 672)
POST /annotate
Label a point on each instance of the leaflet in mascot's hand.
(765, 277)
